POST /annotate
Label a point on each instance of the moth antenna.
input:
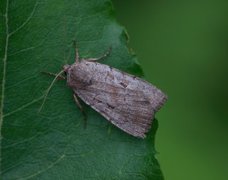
(49, 88)
(76, 51)
(53, 74)
(107, 53)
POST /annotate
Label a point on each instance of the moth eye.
(66, 67)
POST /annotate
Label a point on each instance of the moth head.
(66, 68)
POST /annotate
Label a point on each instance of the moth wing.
(126, 111)
(125, 100)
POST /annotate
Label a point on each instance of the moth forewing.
(125, 100)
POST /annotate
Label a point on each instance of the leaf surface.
(37, 36)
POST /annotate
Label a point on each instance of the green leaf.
(37, 36)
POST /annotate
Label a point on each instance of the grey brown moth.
(125, 100)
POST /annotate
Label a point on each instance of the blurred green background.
(183, 49)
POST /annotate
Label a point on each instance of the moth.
(125, 100)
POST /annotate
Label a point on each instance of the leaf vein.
(26, 21)
(4, 66)
(43, 170)
(23, 106)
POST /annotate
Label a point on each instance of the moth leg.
(76, 52)
(53, 74)
(81, 109)
(107, 53)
